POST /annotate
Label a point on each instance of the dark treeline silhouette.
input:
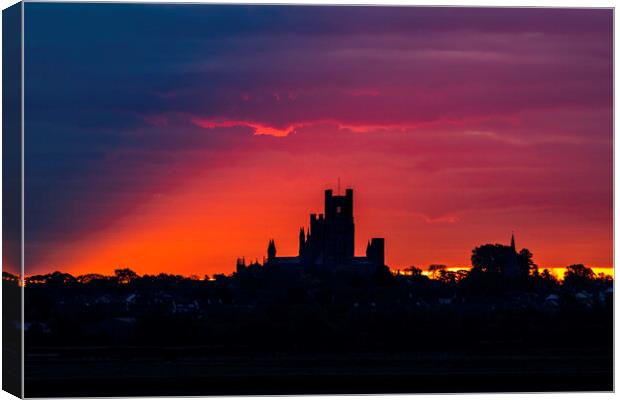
(503, 317)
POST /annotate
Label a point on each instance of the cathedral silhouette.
(329, 242)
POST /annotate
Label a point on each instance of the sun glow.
(557, 272)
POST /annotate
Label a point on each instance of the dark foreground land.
(253, 335)
(183, 372)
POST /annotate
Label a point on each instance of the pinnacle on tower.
(271, 250)
(302, 241)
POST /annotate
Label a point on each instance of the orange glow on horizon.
(558, 272)
(233, 207)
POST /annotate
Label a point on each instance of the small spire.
(512, 241)
(271, 249)
(302, 236)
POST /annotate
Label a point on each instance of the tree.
(547, 276)
(526, 263)
(88, 278)
(546, 280)
(8, 277)
(604, 278)
(496, 259)
(577, 275)
(58, 278)
(414, 271)
(36, 280)
(491, 258)
(447, 277)
(461, 274)
(434, 270)
(125, 275)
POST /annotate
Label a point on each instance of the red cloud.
(259, 128)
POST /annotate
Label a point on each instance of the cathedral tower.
(339, 227)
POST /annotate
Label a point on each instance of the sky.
(176, 138)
